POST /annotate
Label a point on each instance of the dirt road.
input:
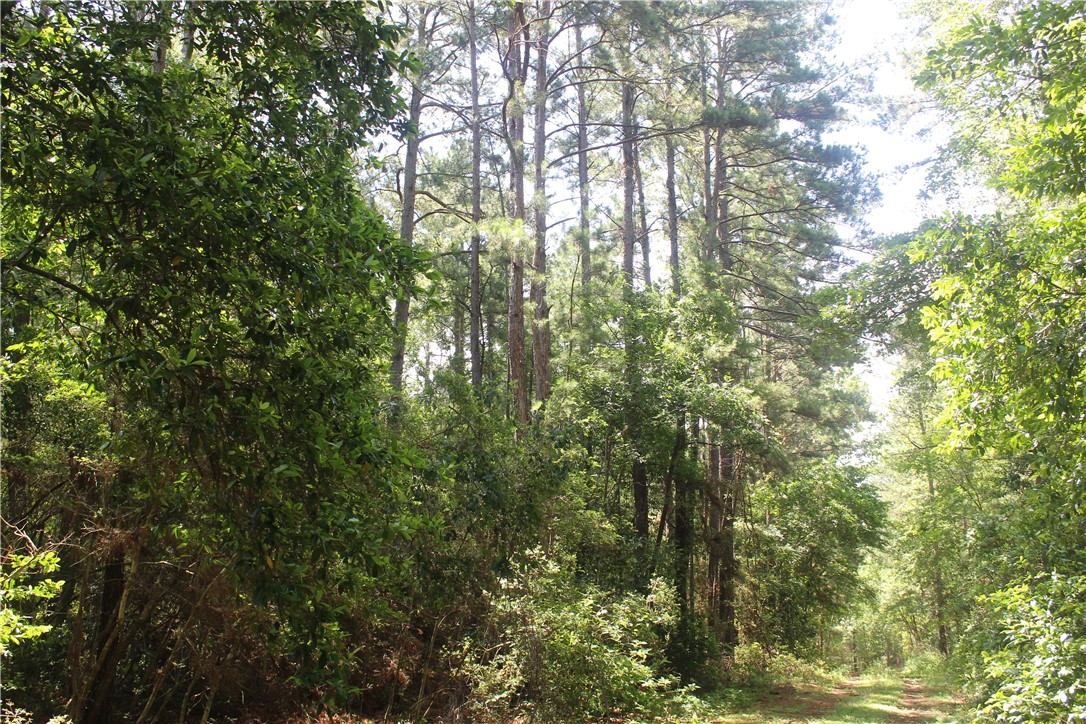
(853, 701)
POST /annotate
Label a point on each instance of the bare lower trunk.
(729, 565)
(940, 613)
(95, 686)
(723, 569)
(541, 329)
(96, 706)
(683, 531)
(714, 513)
(937, 582)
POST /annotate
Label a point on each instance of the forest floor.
(852, 701)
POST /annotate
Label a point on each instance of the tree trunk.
(723, 567)
(94, 702)
(188, 37)
(673, 220)
(940, 612)
(723, 240)
(162, 47)
(97, 704)
(643, 231)
(407, 215)
(458, 337)
(516, 71)
(476, 208)
(541, 330)
(708, 249)
(585, 232)
(709, 242)
(682, 533)
(937, 582)
(629, 223)
(729, 566)
(640, 478)
(639, 473)
(713, 516)
(488, 344)
(720, 173)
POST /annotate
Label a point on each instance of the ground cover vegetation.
(576, 441)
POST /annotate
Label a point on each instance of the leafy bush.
(933, 669)
(23, 589)
(554, 650)
(787, 667)
(752, 665)
(749, 665)
(1037, 669)
(692, 651)
(10, 715)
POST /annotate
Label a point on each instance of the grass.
(870, 700)
(853, 701)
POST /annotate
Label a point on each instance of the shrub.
(932, 668)
(753, 666)
(1036, 671)
(23, 591)
(554, 650)
(749, 664)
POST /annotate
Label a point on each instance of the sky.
(873, 33)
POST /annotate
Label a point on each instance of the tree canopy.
(496, 361)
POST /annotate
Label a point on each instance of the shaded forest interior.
(494, 361)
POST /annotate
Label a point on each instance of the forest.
(498, 361)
